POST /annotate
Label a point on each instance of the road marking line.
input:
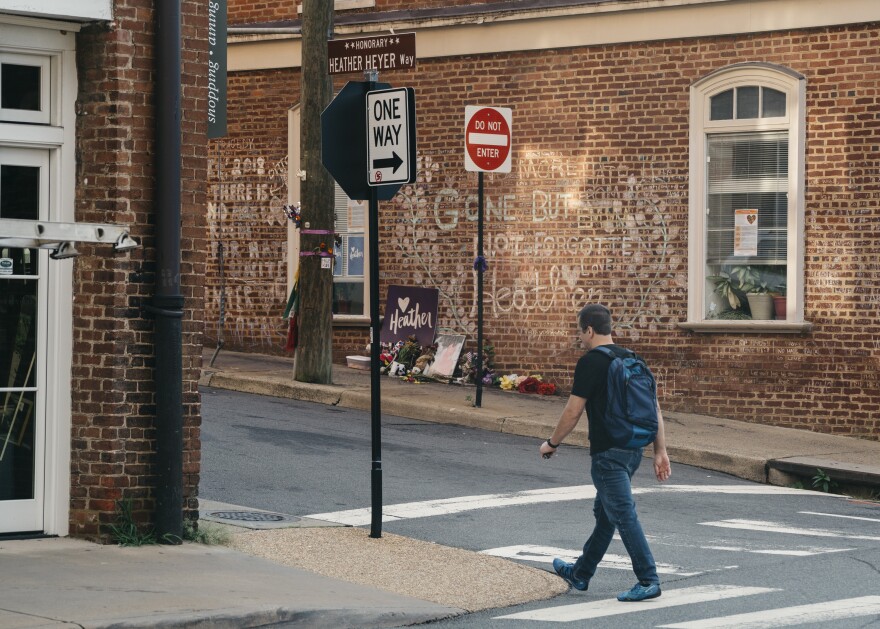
(446, 506)
(774, 551)
(775, 527)
(787, 616)
(545, 554)
(670, 598)
(834, 515)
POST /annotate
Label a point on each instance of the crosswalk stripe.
(775, 527)
(446, 506)
(788, 616)
(789, 552)
(545, 554)
(670, 598)
(835, 515)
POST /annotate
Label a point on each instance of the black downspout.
(167, 300)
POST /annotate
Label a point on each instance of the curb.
(765, 470)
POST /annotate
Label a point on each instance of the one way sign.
(391, 136)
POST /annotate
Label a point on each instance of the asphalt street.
(725, 547)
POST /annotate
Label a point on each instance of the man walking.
(612, 467)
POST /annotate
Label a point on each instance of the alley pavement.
(305, 573)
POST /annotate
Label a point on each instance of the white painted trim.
(60, 140)
(60, 9)
(58, 442)
(44, 113)
(794, 86)
(585, 25)
(294, 122)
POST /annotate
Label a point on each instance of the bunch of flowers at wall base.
(405, 359)
(525, 384)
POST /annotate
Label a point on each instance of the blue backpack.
(631, 415)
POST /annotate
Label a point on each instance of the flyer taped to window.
(745, 233)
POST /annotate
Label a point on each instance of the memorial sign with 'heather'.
(410, 311)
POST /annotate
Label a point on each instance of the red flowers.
(529, 385)
(546, 388)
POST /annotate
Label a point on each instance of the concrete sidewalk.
(53, 583)
(313, 574)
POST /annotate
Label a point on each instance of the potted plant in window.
(755, 283)
(780, 301)
(728, 290)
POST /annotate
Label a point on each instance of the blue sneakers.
(639, 592)
(566, 571)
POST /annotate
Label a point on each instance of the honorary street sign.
(391, 136)
(383, 53)
(487, 133)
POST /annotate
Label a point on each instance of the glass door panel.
(23, 195)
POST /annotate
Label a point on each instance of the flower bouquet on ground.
(526, 384)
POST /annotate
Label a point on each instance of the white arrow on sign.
(388, 137)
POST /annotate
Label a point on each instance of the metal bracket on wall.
(62, 237)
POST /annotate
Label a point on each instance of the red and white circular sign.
(487, 135)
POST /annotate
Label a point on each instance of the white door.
(24, 194)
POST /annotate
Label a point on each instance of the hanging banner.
(216, 68)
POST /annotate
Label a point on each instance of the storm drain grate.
(252, 516)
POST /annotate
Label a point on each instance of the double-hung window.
(746, 251)
(350, 256)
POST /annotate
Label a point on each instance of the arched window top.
(745, 95)
(749, 68)
(747, 102)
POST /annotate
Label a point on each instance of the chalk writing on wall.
(246, 218)
(552, 228)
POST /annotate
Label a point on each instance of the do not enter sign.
(487, 132)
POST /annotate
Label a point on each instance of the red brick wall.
(248, 171)
(113, 392)
(596, 209)
(241, 12)
(249, 12)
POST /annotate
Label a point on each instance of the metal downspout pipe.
(167, 305)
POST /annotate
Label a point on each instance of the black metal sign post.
(487, 135)
(481, 264)
(375, 389)
(375, 350)
(391, 158)
(370, 129)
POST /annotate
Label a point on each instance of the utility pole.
(314, 351)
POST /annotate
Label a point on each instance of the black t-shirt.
(591, 382)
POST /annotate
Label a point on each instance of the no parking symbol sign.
(487, 139)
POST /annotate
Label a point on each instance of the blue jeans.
(614, 507)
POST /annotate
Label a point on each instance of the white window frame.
(793, 85)
(294, 179)
(44, 113)
(56, 42)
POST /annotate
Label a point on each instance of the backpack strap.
(610, 353)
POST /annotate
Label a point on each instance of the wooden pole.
(314, 352)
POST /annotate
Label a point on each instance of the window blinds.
(747, 171)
